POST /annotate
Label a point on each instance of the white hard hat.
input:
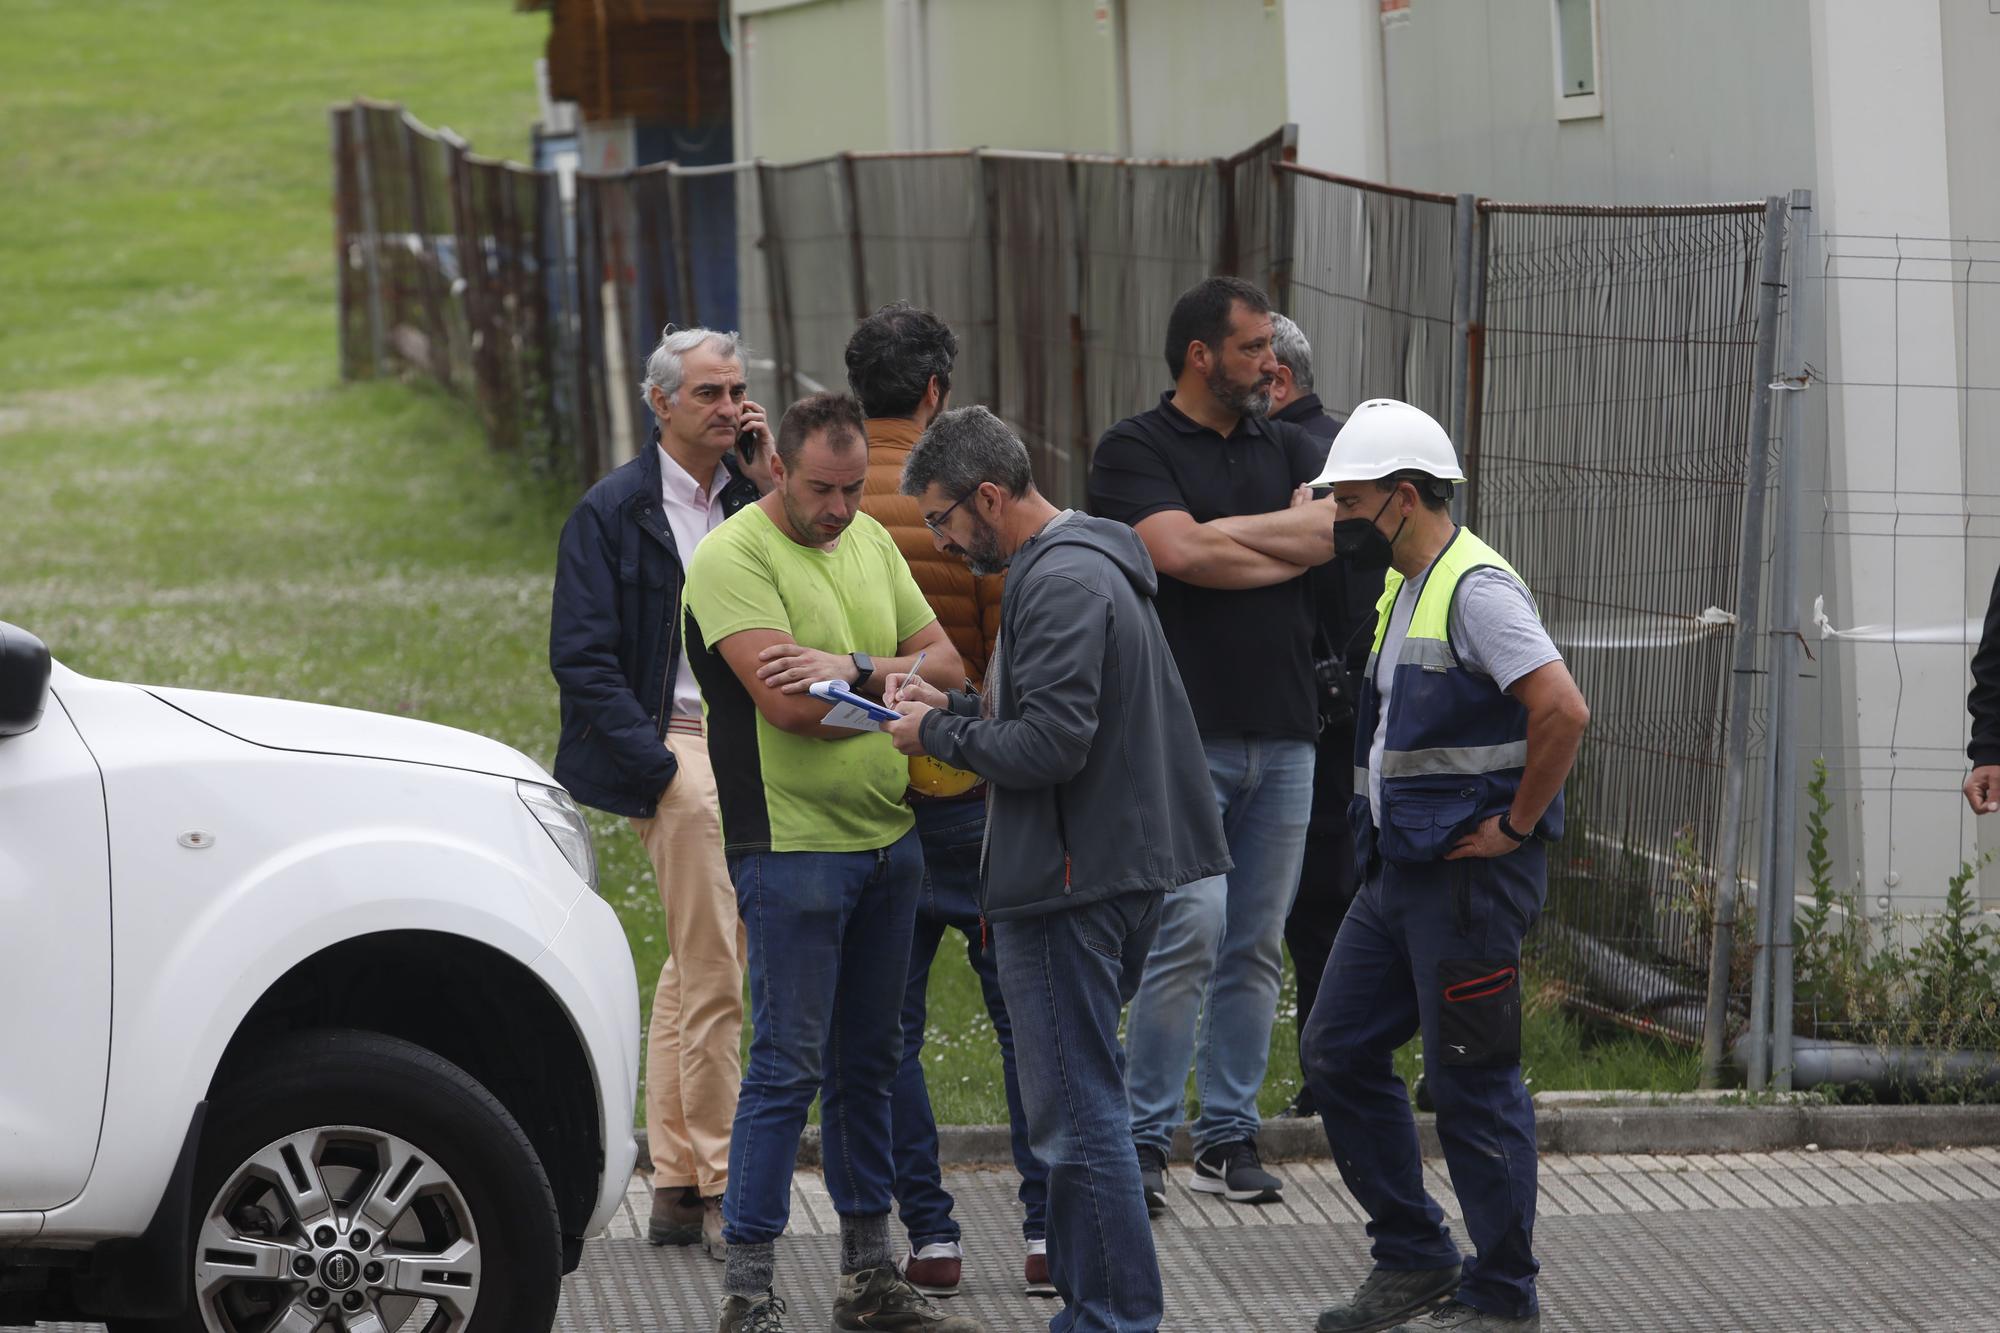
(1384, 436)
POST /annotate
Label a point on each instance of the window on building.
(1577, 75)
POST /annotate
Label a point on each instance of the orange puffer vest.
(967, 606)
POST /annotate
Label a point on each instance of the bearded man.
(1216, 492)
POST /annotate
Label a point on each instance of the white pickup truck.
(309, 1018)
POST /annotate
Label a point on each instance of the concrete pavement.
(1829, 1239)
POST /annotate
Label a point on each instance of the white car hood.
(282, 724)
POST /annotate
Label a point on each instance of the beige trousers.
(694, 1062)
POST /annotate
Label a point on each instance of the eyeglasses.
(936, 525)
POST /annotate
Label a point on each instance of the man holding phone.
(632, 743)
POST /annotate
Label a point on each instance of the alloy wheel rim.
(338, 1227)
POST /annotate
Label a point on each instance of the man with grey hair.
(633, 743)
(1344, 600)
(1098, 803)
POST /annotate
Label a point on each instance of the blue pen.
(915, 667)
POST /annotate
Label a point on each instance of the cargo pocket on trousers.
(1479, 1022)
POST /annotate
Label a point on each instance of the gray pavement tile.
(1676, 1186)
(1809, 1170)
(1862, 1171)
(1700, 1180)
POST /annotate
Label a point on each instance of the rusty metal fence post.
(1465, 221)
(1079, 270)
(784, 335)
(371, 241)
(677, 224)
(345, 196)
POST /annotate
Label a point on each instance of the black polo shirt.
(1245, 655)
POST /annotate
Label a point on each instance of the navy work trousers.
(1435, 948)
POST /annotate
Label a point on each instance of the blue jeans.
(1219, 958)
(1066, 974)
(829, 936)
(1426, 947)
(951, 832)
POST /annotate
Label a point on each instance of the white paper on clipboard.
(850, 711)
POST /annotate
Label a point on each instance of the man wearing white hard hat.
(1467, 726)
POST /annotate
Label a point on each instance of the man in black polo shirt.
(1216, 493)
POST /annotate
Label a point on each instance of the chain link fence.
(1600, 368)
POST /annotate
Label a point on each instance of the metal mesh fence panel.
(1249, 243)
(1370, 284)
(1148, 234)
(1034, 254)
(1611, 470)
(818, 300)
(1900, 501)
(926, 239)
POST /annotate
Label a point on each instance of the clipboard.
(850, 710)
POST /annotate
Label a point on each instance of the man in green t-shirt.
(802, 587)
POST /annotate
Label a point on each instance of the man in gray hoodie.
(1099, 804)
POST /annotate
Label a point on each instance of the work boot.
(1153, 1178)
(712, 1243)
(934, 1269)
(1234, 1171)
(882, 1300)
(676, 1218)
(765, 1314)
(1388, 1297)
(1459, 1317)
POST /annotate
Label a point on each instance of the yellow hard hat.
(933, 777)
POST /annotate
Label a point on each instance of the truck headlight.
(558, 815)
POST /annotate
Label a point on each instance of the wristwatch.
(865, 665)
(1510, 830)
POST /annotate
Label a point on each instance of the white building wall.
(1333, 85)
(1702, 100)
(1206, 77)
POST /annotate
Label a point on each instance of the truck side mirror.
(24, 680)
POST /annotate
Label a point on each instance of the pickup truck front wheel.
(359, 1183)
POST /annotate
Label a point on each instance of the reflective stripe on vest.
(1455, 759)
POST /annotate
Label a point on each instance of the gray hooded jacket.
(1098, 781)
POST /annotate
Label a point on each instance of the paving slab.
(1717, 1241)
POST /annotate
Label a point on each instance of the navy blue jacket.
(615, 639)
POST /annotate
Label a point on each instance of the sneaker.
(1233, 1171)
(676, 1218)
(765, 1314)
(1153, 1178)
(934, 1270)
(1387, 1298)
(1036, 1274)
(1459, 1317)
(881, 1299)
(712, 1243)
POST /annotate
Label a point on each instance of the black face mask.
(1361, 544)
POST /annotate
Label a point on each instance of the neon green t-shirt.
(781, 792)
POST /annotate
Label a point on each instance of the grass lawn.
(192, 496)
